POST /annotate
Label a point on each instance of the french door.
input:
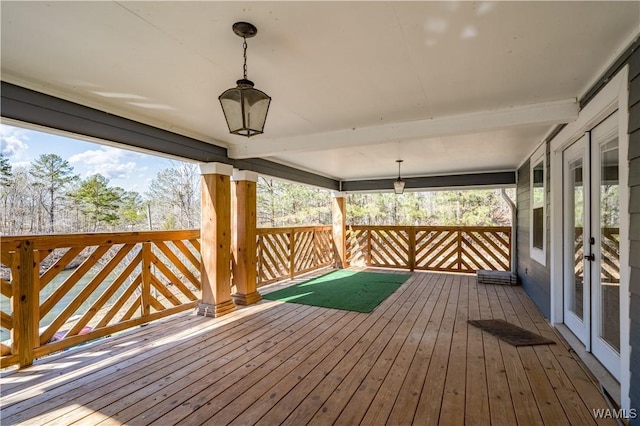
(591, 242)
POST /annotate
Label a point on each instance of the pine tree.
(98, 202)
(6, 173)
(53, 175)
(132, 209)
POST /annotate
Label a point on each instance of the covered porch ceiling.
(449, 87)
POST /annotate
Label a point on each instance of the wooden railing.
(62, 290)
(432, 248)
(287, 252)
(609, 254)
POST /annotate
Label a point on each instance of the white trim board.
(613, 96)
(538, 254)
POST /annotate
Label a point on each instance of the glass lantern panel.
(256, 106)
(231, 106)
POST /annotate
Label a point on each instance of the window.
(538, 205)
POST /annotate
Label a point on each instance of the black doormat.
(511, 333)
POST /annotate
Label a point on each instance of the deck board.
(476, 408)
(413, 360)
(404, 409)
(364, 391)
(245, 366)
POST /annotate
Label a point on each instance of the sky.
(130, 170)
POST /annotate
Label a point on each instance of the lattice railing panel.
(273, 255)
(433, 248)
(436, 250)
(87, 286)
(9, 269)
(610, 255)
(357, 245)
(304, 259)
(323, 250)
(389, 247)
(483, 249)
(287, 252)
(578, 253)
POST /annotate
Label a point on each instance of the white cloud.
(107, 161)
(21, 164)
(13, 142)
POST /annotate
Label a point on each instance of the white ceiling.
(447, 86)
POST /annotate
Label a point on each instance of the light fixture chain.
(244, 46)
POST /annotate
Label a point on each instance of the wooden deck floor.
(414, 360)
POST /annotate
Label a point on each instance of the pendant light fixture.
(245, 108)
(398, 185)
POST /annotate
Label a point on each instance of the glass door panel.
(576, 199)
(576, 239)
(605, 276)
(609, 328)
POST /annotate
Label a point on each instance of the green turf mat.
(342, 289)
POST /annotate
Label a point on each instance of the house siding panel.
(634, 199)
(634, 173)
(634, 262)
(635, 280)
(634, 65)
(634, 145)
(634, 118)
(635, 313)
(634, 231)
(535, 278)
(634, 95)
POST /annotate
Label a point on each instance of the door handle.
(591, 257)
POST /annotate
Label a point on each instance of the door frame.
(615, 95)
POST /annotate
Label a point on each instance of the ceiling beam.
(269, 168)
(475, 180)
(547, 113)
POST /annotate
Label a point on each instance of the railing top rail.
(283, 229)
(45, 242)
(434, 227)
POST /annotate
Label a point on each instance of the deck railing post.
(339, 219)
(314, 249)
(412, 247)
(146, 279)
(26, 304)
(510, 251)
(367, 256)
(292, 253)
(459, 248)
(259, 255)
(243, 230)
(215, 236)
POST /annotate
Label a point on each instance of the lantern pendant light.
(245, 108)
(398, 185)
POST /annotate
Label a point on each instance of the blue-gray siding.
(535, 277)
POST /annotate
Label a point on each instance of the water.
(5, 305)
